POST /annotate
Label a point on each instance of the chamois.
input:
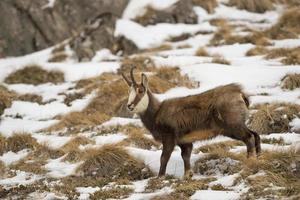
(181, 121)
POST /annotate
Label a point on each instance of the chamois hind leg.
(168, 146)
(257, 142)
(186, 151)
(244, 135)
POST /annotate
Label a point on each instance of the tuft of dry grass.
(202, 52)
(184, 36)
(225, 146)
(163, 47)
(2, 168)
(208, 5)
(289, 56)
(280, 169)
(113, 161)
(35, 75)
(58, 57)
(220, 60)
(2, 144)
(189, 187)
(258, 50)
(158, 183)
(288, 25)
(258, 6)
(279, 141)
(20, 141)
(273, 118)
(72, 97)
(137, 138)
(113, 193)
(31, 98)
(6, 98)
(290, 81)
(75, 143)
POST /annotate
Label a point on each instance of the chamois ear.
(144, 80)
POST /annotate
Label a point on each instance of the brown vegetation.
(35, 75)
(31, 98)
(6, 98)
(208, 5)
(259, 6)
(288, 25)
(273, 118)
(189, 187)
(202, 52)
(225, 146)
(117, 192)
(220, 60)
(258, 50)
(58, 57)
(290, 81)
(113, 161)
(20, 141)
(289, 56)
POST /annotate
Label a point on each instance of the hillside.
(65, 132)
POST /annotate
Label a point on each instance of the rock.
(180, 12)
(28, 26)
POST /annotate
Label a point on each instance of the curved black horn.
(131, 75)
(126, 79)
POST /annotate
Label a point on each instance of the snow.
(21, 178)
(137, 8)
(288, 138)
(35, 111)
(48, 91)
(215, 195)
(85, 192)
(9, 126)
(104, 55)
(12, 157)
(152, 159)
(58, 169)
(286, 43)
(50, 4)
(149, 196)
(225, 181)
(119, 121)
(53, 141)
(154, 35)
(109, 139)
(295, 124)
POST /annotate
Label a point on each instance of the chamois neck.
(148, 117)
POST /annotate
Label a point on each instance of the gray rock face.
(27, 26)
(180, 12)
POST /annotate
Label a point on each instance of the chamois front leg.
(186, 151)
(168, 147)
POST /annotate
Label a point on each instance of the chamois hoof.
(188, 175)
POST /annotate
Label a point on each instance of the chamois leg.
(257, 142)
(186, 151)
(168, 146)
(244, 135)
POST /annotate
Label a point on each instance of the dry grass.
(289, 56)
(273, 118)
(172, 196)
(258, 6)
(288, 25)
(72, 96)
(2, 144)
(6, 98)
(58, 57)
(202, 52)
(258, 50)
(137, 138)
(290, 82)
(225, 146)
(189, 187)
(279, 141)
(158, 183)
(220, 60)
(163, 47)
(31, 166)
(114, 193)
(184, 36)
(281, 170)
(31, 98)
(2, 168)
(35, 75)
(75, 143)
(20, 141)
(208, 5)
(113, 161)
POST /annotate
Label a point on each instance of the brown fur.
(181, 121)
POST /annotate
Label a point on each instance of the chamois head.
(138, 99)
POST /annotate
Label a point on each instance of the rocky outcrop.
(27, 26)
(180, 12)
